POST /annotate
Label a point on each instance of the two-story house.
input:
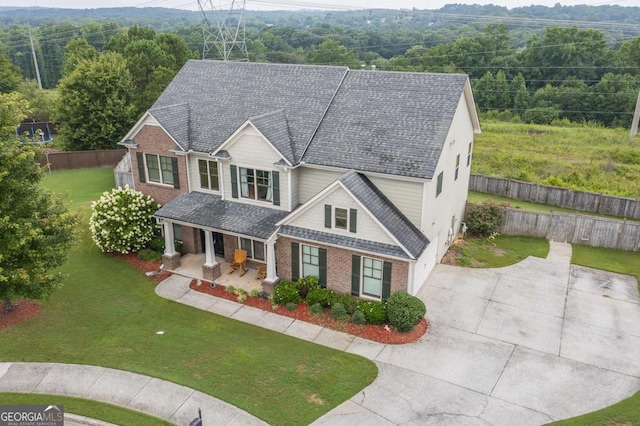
(358, 177)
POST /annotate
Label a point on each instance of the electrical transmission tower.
(224, 29)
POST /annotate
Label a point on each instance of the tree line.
(562, 73)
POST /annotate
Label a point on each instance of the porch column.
(170, 258)
(169, 247)
(211, 268)
(271, 262)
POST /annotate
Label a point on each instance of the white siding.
(250, 150)
(438, 212)
(366, 228)
(295, 188)
(311, 181)
(407, 196)
(194, 172)
(423, 267)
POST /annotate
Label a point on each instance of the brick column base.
(268, 286)
(171, 262)
(210, 273)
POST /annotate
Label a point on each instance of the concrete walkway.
(527, 344)
(166, 400)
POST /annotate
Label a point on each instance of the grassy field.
(587, 158)
(504, 250)
(95, 410)
(107, 314)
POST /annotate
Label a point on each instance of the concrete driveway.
(526, 344)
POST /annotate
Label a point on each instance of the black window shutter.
(141, 175)
(386, 280)
(234, 181)
(353, 219)
(276, 188)
(355, 275)
(327, 216)
(295, 261)
(174, 170)
(322, 259)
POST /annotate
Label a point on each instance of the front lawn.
(107, 314)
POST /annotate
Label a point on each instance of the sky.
(306, 4)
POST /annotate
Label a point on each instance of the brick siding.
(153, 140)
(338, 266)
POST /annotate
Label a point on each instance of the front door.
(218, 243)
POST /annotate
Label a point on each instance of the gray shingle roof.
(343, 241)
(388, 122)
(223, 95)
(175, 120)
(386, 212)
(275, 128)
(210, 211)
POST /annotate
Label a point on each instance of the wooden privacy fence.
(83, 159)
(574, 228)
(557, 196)
(122, 172)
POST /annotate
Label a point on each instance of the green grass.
(625, 412)
(586, 158)
(107, 314)
(502, 251)
(83, 407)
(80, 186)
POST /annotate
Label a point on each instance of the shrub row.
(402, 310)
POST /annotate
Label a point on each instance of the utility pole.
(636, 118)
(35, 60)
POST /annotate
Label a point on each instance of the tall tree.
(95, 108)
(77, 50)
(36, 230)
(332, 52)
(10, 76)
(521, 96)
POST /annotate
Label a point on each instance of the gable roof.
(223, 95)
(409, 239)
(388, 122)
(275, 128)
(372, 121)
(380, 207)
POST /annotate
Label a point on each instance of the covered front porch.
(191, 267)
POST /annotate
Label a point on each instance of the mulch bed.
(378, 333)
(144, 265)
(22, 310)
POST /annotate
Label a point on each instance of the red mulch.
(144, 265)
(22, 310)
(379, 333)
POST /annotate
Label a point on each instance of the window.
(310, 261)
(160, 169)
(457, 167)
(341, 218)
(177, 232)
(371, 277)
(439, 183)
(254, 249)
(208, 174)
(469, 154)
(255, 184)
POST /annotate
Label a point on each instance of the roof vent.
(363, 66)
(373, 67)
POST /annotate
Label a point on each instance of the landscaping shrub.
(374, 311)
(306, 284)
(338, 311)
(322, 296)
(359, 318)
(347, 301)
(316, 309)
(121, 220)
(291, 306)
(286, 292)
(149, 255)
(541, 115)
(486, 218)
(405, 311)
(157, 244)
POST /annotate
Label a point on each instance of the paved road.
(526, 344)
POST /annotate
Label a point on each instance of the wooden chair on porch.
(261, 272)
(238, 263)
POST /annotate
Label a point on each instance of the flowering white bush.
(121, 220)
